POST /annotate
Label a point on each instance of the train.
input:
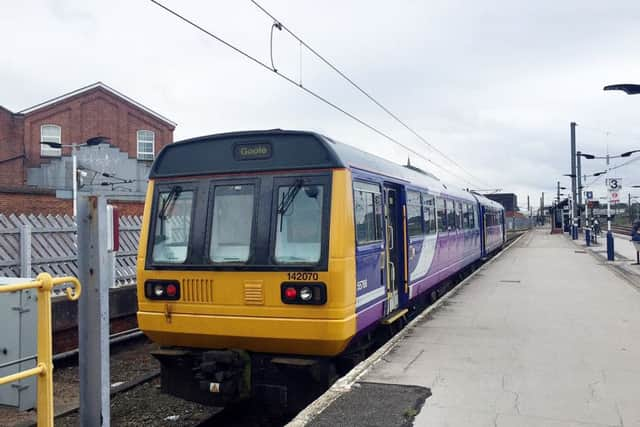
(271, 260)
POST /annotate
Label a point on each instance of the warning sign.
(614, 197)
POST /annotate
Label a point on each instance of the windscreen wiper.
(168, 203)
(288, 198)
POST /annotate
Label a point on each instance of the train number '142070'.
(302, 275)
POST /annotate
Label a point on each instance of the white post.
(25, 251)
(93, 311)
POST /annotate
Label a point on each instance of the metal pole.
(93, 312)
(74, 180)
(573, 180)
(610, 255)
(45, 353)
(579, 177)
(629, 210)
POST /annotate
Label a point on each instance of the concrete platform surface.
(547, 335)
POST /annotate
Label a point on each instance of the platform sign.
(614, 184)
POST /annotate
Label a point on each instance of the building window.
(50, 133)
(146, 143)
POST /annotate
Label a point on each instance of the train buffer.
(546, 333)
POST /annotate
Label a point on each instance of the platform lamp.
(96, 140)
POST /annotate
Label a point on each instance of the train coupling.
(214, 378)
(227, 373)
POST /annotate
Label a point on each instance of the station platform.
(544, 334)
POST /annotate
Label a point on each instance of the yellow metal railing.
(44, 368)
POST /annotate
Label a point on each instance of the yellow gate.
(44, 368)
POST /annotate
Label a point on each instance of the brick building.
(36, 178)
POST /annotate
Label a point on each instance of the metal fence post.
(93, 313)
(25, 250)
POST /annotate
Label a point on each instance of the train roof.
(254, 151)
(485, 201)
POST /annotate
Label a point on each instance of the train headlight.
(306, 294)
(158, 290)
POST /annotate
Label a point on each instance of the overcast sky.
(493, 84)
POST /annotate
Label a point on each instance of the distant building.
(36, 178)
(508, 200)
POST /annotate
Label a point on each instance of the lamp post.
(96, 140)
(608, 158)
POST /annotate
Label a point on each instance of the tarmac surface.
(546, 335)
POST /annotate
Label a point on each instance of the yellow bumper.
(259, 334)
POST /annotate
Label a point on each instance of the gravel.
(146, 406)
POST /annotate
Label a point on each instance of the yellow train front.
(246, 270)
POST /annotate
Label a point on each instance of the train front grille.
(198, 291)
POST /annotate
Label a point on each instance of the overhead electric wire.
(355, 85)
(309, 91)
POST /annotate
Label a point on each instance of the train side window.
(368, 213)
(472, 222)
(465, 216)
(460, 222)
(429, 214)
(414, 213)
(442, 214)
(452, 216)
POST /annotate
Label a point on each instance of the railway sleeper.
(281, 383)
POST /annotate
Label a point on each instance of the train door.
(395, 245)
(483, 226)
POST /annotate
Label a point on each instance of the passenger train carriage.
(265, 256)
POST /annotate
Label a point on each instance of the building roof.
(98, 85)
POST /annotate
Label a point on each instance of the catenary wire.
(359, 88)
(307, 90)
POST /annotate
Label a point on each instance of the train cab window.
(442, 214)
(367, 203)
(172, 226)
(429, 214)
(232, 223)
(414, 214)
(299, 224)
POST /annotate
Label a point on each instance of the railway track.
(621, 229)
(116, 338)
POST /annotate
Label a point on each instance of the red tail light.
(172, 290)
(290, 293)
